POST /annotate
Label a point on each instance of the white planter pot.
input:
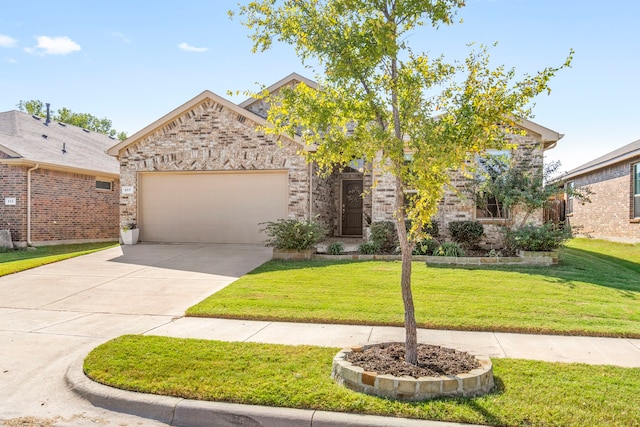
(130, 237)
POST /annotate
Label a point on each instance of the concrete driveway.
(51, 315)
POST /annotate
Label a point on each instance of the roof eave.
(581, 171)
(61, 168)
(548, 136)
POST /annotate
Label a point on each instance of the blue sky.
(134, 61)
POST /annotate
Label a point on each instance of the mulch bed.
(433, 360)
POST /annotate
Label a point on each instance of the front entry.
(352, 208)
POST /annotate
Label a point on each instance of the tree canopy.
(64, 115)
(381, 100)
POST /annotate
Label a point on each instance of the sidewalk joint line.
(258, 331)
(500, 344)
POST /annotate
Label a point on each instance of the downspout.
(29, 203)
(310, 191)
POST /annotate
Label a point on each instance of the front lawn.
(13, 261)
(529, 393)
(595, 290)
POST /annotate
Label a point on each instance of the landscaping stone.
(475, 382)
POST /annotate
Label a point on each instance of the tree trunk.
(411, 336)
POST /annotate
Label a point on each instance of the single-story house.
(202, 173)
(58, 183)
(614, 210)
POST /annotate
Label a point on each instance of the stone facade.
(209, 133)
(65, 207)
(609, 215)
(456, 205)
(212, 137)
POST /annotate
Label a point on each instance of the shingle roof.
(26, 137)
(615, 156)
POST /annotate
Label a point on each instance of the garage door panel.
(210, 207)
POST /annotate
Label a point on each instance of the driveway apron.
(51, 315)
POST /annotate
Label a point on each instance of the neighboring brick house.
(614, 210)
(57, 184)
(202, 173)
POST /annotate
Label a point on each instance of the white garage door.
(216, 207)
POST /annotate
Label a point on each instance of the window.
(104, 185)
(636, 190)
(570, 187)
(491, 169)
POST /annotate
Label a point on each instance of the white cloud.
(6, 41)
(122, 37)
(188, 48)
(12, 61)
(54, 46)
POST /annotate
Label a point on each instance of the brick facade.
(14, 218)
(212, 137)
(456, 205)
(209, 133)
(610, 213)
(65, 207)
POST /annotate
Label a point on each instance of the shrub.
(467, 233)
(546, 237)
(426, 247)
(432, 229)
(449, 249)
(384, 234)
(368, 248)
(335, 248)
(293, 233)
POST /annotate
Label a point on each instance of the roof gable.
(247, 118)
(30, 139)
(548, 137)
(291, 80)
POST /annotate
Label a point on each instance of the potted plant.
(130, 233)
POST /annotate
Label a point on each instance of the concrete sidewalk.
(184, 412)
(551, 348)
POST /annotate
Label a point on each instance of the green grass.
(529, 393)
(595, 290)
(14, 261)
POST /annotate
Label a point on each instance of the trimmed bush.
(449, 249)
(384, 234)
(335, 248)
(467, 233)
(546, 237)
(293, 233)
(368, 248)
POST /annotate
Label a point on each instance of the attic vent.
(86, 130)
(62, 124)
(36, 117)
(45, 136)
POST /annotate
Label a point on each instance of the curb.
(181, 412)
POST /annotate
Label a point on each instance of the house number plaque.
(10, 201)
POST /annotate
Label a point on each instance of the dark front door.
(352, 208)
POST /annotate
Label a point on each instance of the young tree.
(527, 190)
(64, 115)
(379, 99)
